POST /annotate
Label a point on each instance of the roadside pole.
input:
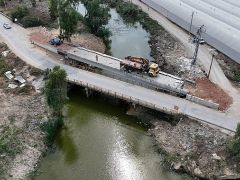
(214, 53)
(210, 67)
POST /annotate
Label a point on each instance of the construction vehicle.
(139, 64)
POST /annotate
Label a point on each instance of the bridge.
(18, 41)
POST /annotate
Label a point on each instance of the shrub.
(51, 127)
(9, 143)
(3, 66)
(237, 76)
(20, 12)
(234, 145)
(36, 72)
(31, 21)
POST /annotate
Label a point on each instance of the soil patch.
(86, 40)
(207, 90)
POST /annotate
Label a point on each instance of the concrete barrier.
(202, 102)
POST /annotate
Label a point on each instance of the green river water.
(99, 141)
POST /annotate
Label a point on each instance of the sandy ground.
(86, 40)
(21, 113)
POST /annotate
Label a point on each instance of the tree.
(53, 4)
(68, 18)
(34, 3)
(97, 16)
(235, 144)
(56, 90)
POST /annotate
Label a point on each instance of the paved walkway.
(18, 41)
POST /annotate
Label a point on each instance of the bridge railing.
(130, 99)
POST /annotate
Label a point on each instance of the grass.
(51, 128)
(237, 76)
(9, 143)
(36, 72)
(3, 66)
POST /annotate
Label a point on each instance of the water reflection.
(109, 145)
(126, 40)
(66, 144)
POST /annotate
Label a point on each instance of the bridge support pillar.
(88, 92)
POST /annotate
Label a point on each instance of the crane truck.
(139, 64)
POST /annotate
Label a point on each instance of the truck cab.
(153, 70)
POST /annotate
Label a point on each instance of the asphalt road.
(18, 41)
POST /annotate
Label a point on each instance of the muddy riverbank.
(190, 146)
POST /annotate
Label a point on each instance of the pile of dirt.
(207, 90)
(194, 148)
(86, 40)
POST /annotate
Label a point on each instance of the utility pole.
(197, 40)
(214, 53)
(190, 29)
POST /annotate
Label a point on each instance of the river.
(126, 40)
(99, 141)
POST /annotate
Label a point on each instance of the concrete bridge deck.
(18, 41)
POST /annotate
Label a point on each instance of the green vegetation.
(237, 75)
(56, 94)
(131, 14)
(234, 145)
(67, 15)
(36, 72)
(96, 19)
(68, 19)
(53, 9)
(23, 16)
(20, 12)
(56, 90)
(31, 21)
(3, 3)
(8, 141)
(3, 66)
(34, 3)
(9, 147)
(51, 128)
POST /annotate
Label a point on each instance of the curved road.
(18, 41)
(204, 57)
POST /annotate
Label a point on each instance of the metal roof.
(220, 17)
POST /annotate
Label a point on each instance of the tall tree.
(97, 15)
(56, 90)
(68, 18)
(34, 3)
(65, 11)
(53, 9)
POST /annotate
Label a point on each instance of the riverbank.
(23, 110)
(189, 146)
